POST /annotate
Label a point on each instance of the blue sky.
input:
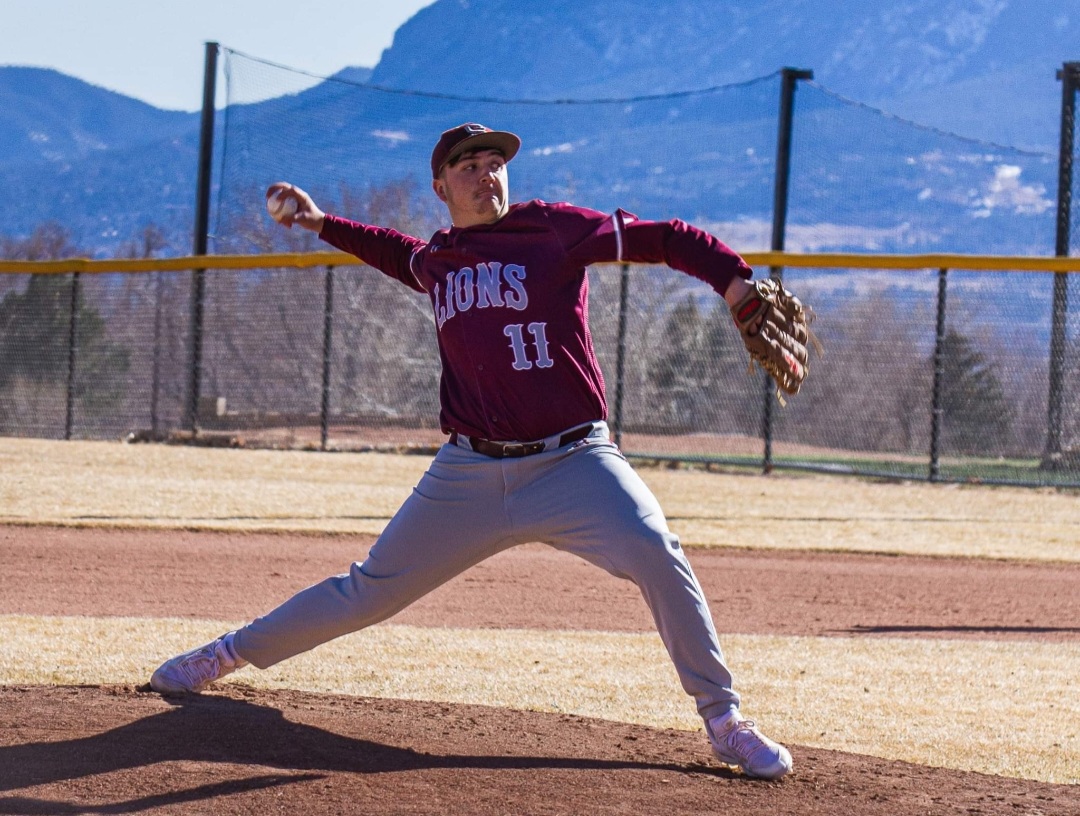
(153, 49)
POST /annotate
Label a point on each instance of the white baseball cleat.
(195, 670)
(737, 741)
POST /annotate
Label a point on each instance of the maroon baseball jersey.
(511, 305)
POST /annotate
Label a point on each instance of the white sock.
(723, 722)
(226, 652)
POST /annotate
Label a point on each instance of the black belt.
(514, 450)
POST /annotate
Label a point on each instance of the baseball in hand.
(280, 206)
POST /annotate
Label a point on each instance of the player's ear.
(440, 188)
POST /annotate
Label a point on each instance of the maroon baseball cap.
(471, 136)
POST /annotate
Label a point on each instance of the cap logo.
(473, 129)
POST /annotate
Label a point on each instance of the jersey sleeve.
(622, 237)
(391, 252)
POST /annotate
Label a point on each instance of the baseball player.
(522, 398)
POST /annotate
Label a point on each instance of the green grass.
(970, 470)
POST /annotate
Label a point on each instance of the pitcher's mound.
(237, 750)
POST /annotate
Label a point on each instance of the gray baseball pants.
(583, 498)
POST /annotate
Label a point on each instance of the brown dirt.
(119, 749)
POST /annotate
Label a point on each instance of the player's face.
(475, 189)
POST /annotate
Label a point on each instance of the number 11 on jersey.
(516, 333)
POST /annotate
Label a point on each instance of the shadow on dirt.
(230, 731)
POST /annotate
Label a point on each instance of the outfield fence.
(921, 378)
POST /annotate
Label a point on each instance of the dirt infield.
(240, 751)
(145, 573)
(117, 748)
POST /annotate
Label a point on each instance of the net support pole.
(73, 351)
(788, 78)
(1070, 81)
(620, 352)
(202, 227)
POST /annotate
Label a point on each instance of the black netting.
(265, 359)
(120, 366)
(365, 152)
(35, 314)
(864, 181)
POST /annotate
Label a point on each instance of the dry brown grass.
(107, 483)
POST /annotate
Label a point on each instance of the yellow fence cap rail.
(296, 260)
(844, 260)
(307, 260)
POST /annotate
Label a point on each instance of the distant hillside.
(354, 74)
(50, 117)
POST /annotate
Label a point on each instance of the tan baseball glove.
(775, 327)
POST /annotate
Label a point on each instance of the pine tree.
(35, 329)
(680, 373)
(977, 417)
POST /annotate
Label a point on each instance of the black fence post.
(328, 336)
(73, 346)
(1070, 81)
(155, 383)
(620, 353)
(202, 226)
(789, 76)
(937, 411)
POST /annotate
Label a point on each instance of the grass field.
(113, 484)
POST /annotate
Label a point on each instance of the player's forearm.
(688, 249)
(738, 289)
(387, 250)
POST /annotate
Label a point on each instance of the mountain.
(354, 74)
(981, 68)
(46, 116)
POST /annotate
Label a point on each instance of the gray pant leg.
(592, 503)
(453, 520)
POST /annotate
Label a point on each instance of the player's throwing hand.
(288, 205)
